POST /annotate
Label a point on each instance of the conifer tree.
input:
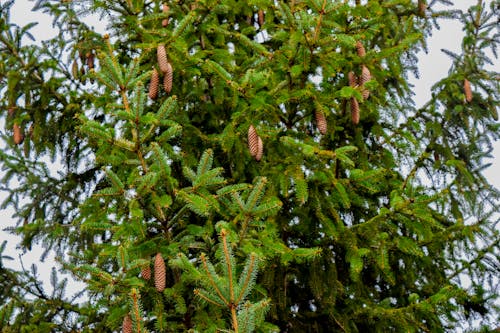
(250, 166)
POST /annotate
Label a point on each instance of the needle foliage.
(269, 152)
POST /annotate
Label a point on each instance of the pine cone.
(161, 54)
(260, 16)
(354, 111)
(360, 49)
(365, 77)
(365, 93)
(153, 84)
(90, 59)
(74, 70)
(146, 273)
(18, 134)
(467, 91)
(260, 149)
(165, 9)
(321, 122)
(127, 325)
(160, 273)
(353, 79)
(253, 141)
(422, 7)
(167, 79)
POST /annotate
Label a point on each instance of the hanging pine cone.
(153, 84)
(160, 273)
(90, 60)
(127, 325)
(260, 149)
(365, 77)
(321, 122)
(353, 79)
(365, 93)
(165, 9)
(422, 7)
(360, 49)
(74, 70)
(146, 273)
(354, 111)
(260, 17)
(467, 91)
(18, 134)
(161, 54)
(253, 141)
(167, 79)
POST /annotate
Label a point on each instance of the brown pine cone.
(127, 325)
(90, 59)
(360, 49)
(146, 273)
(422, 7)
(160, 273)
(18, 134)
(161, 54)
(354, 111)
(167, 79)
(253, 141)
(260, 149)
(260, 16)
(467, 91)
(353, 79)
(321, 122)
(365, 77)
(165, 9)
(74, 70)
(153, 84)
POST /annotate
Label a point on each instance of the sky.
(433, 66)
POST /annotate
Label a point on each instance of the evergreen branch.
(115, 180)
(256, 194)
(228, 261)
(183, 24)
(219, 70)
(206, 298)
(211, 280)
(318, 25)
(136, 310)
(124, 259)
(164, 112)
(249, 273)
(205, 163)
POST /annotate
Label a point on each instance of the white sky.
(433, 66)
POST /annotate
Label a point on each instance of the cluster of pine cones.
(163, 64)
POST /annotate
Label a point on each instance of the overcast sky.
(433, 66)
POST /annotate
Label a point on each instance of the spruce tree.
(250, 166)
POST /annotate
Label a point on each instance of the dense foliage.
(250, 166)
